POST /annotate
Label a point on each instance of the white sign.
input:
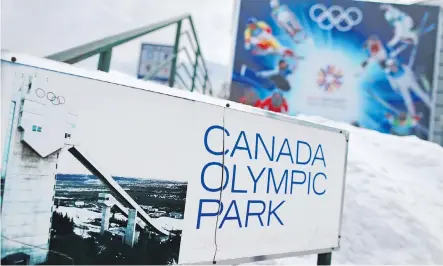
(153, 57)
(219, 181)
(280, 193)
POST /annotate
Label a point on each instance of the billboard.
(364, 63)
(153, 57)
(190, 184)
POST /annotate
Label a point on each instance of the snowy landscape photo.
(81, 230)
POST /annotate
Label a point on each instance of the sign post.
(175, 52)
(324, 258)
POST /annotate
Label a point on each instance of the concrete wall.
(27, 199)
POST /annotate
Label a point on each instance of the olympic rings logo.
(50, 96)
(343, 20)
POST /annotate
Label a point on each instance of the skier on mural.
(404, 30)
(377, 52)
(402, 124)
(280, 74)
(277, 77)
(402, 79)
(286, 20)
(403, 26)
(258, 35)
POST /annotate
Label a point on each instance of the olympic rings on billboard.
(54, 99)
(335, 16)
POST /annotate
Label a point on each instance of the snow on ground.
(393, 211)
(168, 223)
(82, 218)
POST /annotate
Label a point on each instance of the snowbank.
(393, 211)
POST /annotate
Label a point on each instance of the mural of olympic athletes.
(364, 63)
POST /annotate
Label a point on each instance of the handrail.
(104, 47)
(198, 44)
(199, 79)
(182, 81)
(188, 55)
(201, 71)
(186, 70)
(190, 40)
(82, 52)
(197, 66)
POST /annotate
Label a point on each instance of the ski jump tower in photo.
(40, 128)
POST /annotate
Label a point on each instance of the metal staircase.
(198, 77)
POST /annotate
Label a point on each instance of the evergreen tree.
(61, 225)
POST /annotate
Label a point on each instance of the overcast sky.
(48, 26)
(44, 27)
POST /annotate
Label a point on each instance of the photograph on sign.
(153, 62)
(369, 64)
(120, 182)
(120, 193)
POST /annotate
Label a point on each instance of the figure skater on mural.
(287, 21)
(258, 37)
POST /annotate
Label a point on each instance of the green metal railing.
(198, 76)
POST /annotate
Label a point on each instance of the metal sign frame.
(324, 254)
